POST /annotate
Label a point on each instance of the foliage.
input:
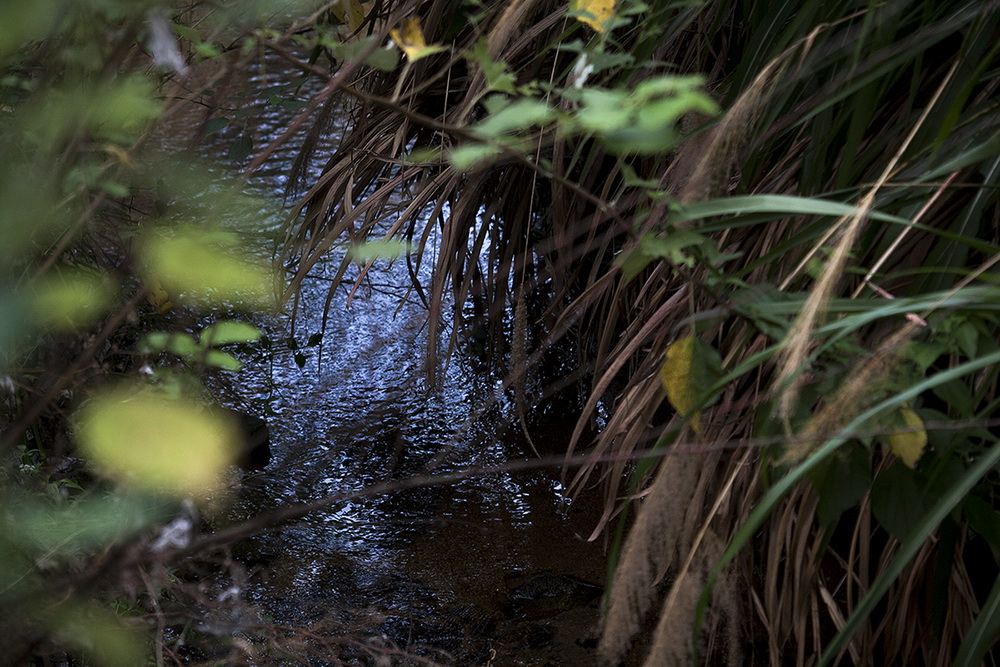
(113, 254)
(831, 237)
(773, 222)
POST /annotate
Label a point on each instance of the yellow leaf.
(351, 12)
(677, 379)
(410, 39)
(602, 10)
(910, 445)
(159, 298)
(157, 443)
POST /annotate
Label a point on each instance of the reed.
(831, 234)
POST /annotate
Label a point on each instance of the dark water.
(491, 570)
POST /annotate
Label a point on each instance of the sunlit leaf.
(152, 442)
(350, 12)
(158, 298)
(594, 13)
(909, 446)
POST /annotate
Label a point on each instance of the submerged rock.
(547, 594)
(255, 440)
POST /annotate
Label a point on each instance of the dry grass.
(862, 107)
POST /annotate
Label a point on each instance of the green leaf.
(983, 519)
(470, 156)
(496, 75)
(87, 523)
(898, 501)
(228, 332)
(957, 397)
(186, 32)
(181, 344)
(241, 148)
(785, 204)
(203, 266)
(215, 125)
(223, 360)
(389, 249)
(967, 337)
(841, 482)
(519, 115)
(781, 487)
(384, 60)
(95, 632)
(924, 354)
(71, 299)
(983, 633)
(909, 548)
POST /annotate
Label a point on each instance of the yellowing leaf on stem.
(909, 445)
(688, 373)
(599, 10)
(411, 41)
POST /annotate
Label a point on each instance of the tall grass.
(832, 235)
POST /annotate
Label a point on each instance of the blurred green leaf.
(384, 60)
(519, 115)
(85, 523)
(215, 125)
(469, 156)
(71, 299)
(181, 344)
(172, 446)
(384, 249)
(223, 360)
(96, 633)
(205, 266)
(228, 332)
(23, 21)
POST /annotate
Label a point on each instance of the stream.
(493, 570)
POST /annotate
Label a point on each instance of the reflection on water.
(429, 570)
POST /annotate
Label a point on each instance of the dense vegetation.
(753, 246)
